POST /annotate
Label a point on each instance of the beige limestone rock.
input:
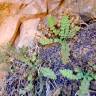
(8, 29)
(34, 7)
(11, 23)
(81, 6)
(42, 4)
(11, 1)
(30, 9)
(28, 32)
(52, 4)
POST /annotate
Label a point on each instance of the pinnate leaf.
(65, 52)
(47, 72)
(51, 21)
(45, 41)
(68, 74)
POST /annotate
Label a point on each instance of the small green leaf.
(64, 29)
(51, 21)
(45, 41)
(54, 30)
(65, 52)
(47, 72)
(93, 76)
(57, 40)
(79, 75)
(65, 21)
(33, 57)
(84, 88)
(68, 74)
(30, 77)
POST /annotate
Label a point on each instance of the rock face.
(28, 32)
(31, 7)
(11, 24)
(8, 29)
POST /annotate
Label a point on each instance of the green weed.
(65, 32)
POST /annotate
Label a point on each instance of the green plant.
(8, 53)
(65, 32)
(68, 74)
(47, 72)
(84, 77)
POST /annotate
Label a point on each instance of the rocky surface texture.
(23, 10)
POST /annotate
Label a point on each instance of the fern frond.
(51, 21)
(68, 74)
(65, 24)
(84, 88)
(45, 41)
(65, 52)
(47, 72)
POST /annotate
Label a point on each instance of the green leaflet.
(84, 77)
(65, 22)
(47, 72)
(68, 74)
(65, 32)
(30, 77)
(54, 30)
(45, 41)
(93, 76)
(65, 52)
(57, 40)
(65, 25)
(51, 21)
(84, 88)
(79, 75)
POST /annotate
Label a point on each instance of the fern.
(65, 25)
(47, 72)
(51, 23)
(9, 53)
(68, 74)
(65, 52)
(65, 32)
(84, 77)
(84, 88)
(44, 41)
